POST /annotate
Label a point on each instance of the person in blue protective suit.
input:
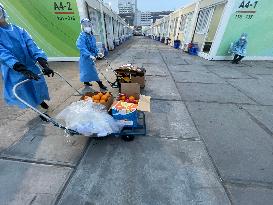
(18, 56)
(239, 49)
(86, 43)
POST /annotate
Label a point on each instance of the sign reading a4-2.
(61, 6)
(64, 11)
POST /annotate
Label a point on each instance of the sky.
(154, 5)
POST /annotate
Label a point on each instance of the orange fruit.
(107, 94)
(102, 101)
(96, 97)
(123, 98)
(100, 94)
(104, 97)
(131, 98)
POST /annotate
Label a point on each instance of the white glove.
(100, 55)
(93, 58)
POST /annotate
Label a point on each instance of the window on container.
(94, 18)
(175, 25)
(171, 24)
(203, 20)
(183, 22)
(188, 23)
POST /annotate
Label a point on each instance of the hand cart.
(127, 134)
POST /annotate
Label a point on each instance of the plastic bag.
(230, 51)
(89, 118)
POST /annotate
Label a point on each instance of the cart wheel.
(98, 138)
(128, 138)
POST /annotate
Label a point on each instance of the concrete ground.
(209, 140)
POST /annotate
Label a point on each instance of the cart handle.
(48, 118)
(109, 65)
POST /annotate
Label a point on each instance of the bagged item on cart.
(89, 119)
(131, 74)
(129, 69)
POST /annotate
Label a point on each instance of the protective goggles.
(86, 23)
(3, 13)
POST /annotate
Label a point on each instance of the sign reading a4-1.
(246, 9)
(253, 17)
(248, 4)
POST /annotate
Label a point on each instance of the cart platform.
(126, 134)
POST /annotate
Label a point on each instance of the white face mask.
(87, 29)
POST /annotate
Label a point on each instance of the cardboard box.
(108, 104)
(140, 80)
(133, 74)
(130, 89)
(130, 119)
(122, 112)
(133, 89)
(144, 103)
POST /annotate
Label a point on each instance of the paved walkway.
(210, 139)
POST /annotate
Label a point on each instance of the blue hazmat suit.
(239, 47)
(17, 46)
(86, 43)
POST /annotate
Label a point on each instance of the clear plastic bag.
(89, 119)
(230, 51)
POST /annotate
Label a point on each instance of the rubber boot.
(101, 85)
(87, 84)
(44, 105)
